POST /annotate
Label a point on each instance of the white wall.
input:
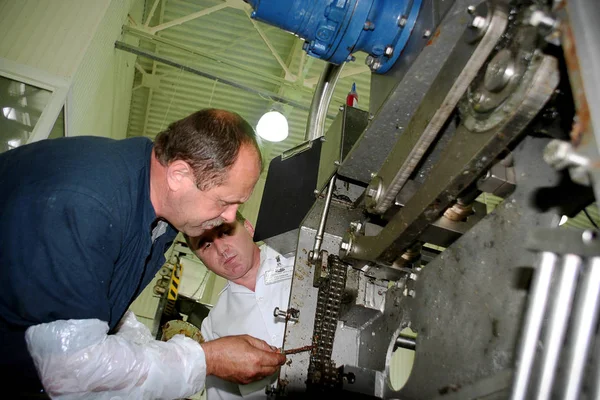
(74, 40)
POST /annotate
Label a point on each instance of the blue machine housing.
(335, 29)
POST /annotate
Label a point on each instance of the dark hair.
(209, 140)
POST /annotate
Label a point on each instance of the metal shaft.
(584, 323)
(533, 323)
(321, 228)
(557, 325)
(405, 342)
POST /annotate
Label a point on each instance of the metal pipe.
(584, 324)
(557, 325)
(314, 255)
(321, 99)
(533, 323)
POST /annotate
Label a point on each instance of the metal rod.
(298, 350)
(320, 101)
(314, 256)
(405, 342)
(165, 60)
(533, 323)
(584, 323)
(557, 325)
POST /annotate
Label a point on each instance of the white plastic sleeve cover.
(77, 359)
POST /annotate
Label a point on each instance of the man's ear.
(179, 175)
(249, 227)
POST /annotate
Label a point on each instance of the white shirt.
(241, 311)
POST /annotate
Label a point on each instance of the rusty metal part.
(291, 314)
(581, 126)
(298, 350)
(322, 371)
(459, 212)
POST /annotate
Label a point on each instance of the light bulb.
(272, 126)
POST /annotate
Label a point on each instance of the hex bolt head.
(389, 51)
(471, 9)
(402, 21)
(427, 34)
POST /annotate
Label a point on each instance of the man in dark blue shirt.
(85, 223)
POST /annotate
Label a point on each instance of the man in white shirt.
(259, 280)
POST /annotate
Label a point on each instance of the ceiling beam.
(165, 60)
(189, 17)
(288, 72)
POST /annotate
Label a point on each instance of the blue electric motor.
(334, 29)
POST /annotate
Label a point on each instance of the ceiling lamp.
(272, 126)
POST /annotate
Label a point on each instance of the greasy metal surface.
(477, 285)
(564, 241)
(459, 70)
(303, 295)
(466, 156)
(445, 231)
(431, 14)
(322, 369)
(397, 94)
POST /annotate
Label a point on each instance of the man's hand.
(241, 359)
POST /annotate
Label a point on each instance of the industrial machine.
(467, 98)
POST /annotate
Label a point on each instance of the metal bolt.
(478, 22)
(589, 236)
(376, 65)
(355, 226)
(372, 193)
(345, 246)
(279, 313)
(541, 19)
(412, 293)
(373, 175)
(368, 26)
(336, 162)
(499, 72)
(402, 21)
(369, 60)
(427, 34)
(471, 9)
(412, 276)
(316, 192)
(560, 154)
(389, 50)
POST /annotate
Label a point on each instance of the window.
(32, 105)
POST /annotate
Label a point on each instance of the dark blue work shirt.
(75, 234)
